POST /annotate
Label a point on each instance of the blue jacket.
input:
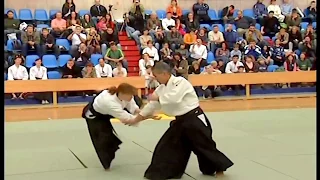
(278, 51)
(256, 52)
(231, 37)
(260, 9)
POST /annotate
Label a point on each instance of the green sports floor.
(264, 145)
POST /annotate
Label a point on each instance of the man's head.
(89, 66)
(235, 58)
(58, 15)
(101, 62)
(252, 28)
(153, 16)
(169, 15)
(199, 42)
(173, 29)
(78, 30)
(231, 7)
(239, 14)
(271, 13)
(45, 31)
(109, 30)
(30, 29)
(162, 72)
(241, 69)
(215, 28)
(70, 62)
(113, 46)
(313, 4)
(10, 14)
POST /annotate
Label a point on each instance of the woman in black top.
(191, 23)
(250, 65)
(194, 68)
(67, 8)
(294, 38)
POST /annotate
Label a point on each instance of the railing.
(139, 82)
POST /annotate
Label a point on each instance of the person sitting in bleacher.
(17, 72)
(243, 23)
(174, 9)
(304, 63)
(278, 53)
(103, 70)
(11, 25)
(260, 11)
(286, 8)
(114, 55)
(183, 51)
(153, 24)
(39, 72)
(87, 23)
(67, 8)
(283, 36)
(144, 39)
(76, 38)
(159, 38)
(109, 37)
(136, 15)
(98, 11)
(294, 38)
(190, 38)
(198, 52)
(191, 22)
(167, 23)
(119, 70)
(216, 38)
(231, 37)
(93, 41)
(180, 65)
(232, 66)
(254, 34)
(47, 42)
(166, 53)
(275, 8)
(71, 70)
(144, 62)
(309, 47)
(30, 41)
(73, 22)
(200, 10)
(223, 52)
(59, 26)
(227, 14)
(152, 51)
(180, 27)
(89, 71)
(293, 19)
(252, 49)
(202, 34)
(174, 38)
(312, 11)
(82, 56)
(270, 26)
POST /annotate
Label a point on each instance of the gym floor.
(263, 144)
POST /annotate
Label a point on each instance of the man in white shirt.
(215, 38)
(198, 52)
(103, 70)
(232, 66)
(17, 72)
(76, 37)
(168, 22)
(191, 131)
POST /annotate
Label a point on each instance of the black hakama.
(186, 134)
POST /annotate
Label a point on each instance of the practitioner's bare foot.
(219, 174)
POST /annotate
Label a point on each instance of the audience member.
(270, 26)
(236, 51)
(71, 70)
(67, 8)
(243, 23)
(166, 53)
(119, 70)
(47, 42)
(200, 10)
(312, 11)
(223, 52)
(198, 52)
(76, 38)
(30, 41)
(250, 64)
(58, 26)
(304, 64)
(107, 38)
(144, 62)
(87, 23)
(194, 68)
(153, 24)
(216, 38)
(152, 51)
(73, 22)
(174, 9)
(227, 14)
(98, 11)
(286, 8)
(159, 39)
(89, 71)
(82, 56)
(232, 66)
(290, 63)
(144, 39)
(167, 23)
(252, 49)
(180, 27)
(174, 38)
(294, 38)
(180, 65)
(114, 55)
(231, 37)
(93, 41)
(278, 53)
(191, 22)
(190, 38)
(210, 91)
(283, 36)
(11, 25)
(293, 19)
(260, 11)
(103, 70)
(275, 8)
(151, 82)
(183, 51)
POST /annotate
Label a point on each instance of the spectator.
(144, 39)
(98, 11)
(143, 63)
(71, 70)
(275, 8)
(87, 23)
(210, 91)
(166, 53)
(67, 8)
(17, 72)
(198, 52)
(203, 36)
(180, 27)
(304, 64)
(255, 35)
(89, 71)
(39, 72)
(114, 55)
(260, 11)
(223, 53)
(312, 11)
(11, 25)
(107, 38)
(290, 63)
(231, 36)
(119, 71)
(252, 49)
(180, 65)
(133, 31)
(151, 82)
(293, 20)
(152, 51)
(215, 67)
(221, 66)
(73, 22)
(93, 41)
(237, 88)
(283, 36)
(103, 70)
(286, 8)
(30, 41)
(266, 53)
(136, 12)
(270, 26)
(309, 48)
(58, 26)
(200, 10)
(243, 23)
(190, 38)
(311, 33)
(183, 51)
(191, 23)
(294, 38)
(232, 66)
(47, 42)
(174, 38)
(227, 14)
(250, 65)
(102, 25)
(109, 22)
(278, 53)
(262, 66)
(76, 39)
(168, 22)
(82, 56)
(159, 38)
(153, 24)
(174, 9)
(236, 51)
(194, 68)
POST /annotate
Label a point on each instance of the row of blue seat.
(42, 15)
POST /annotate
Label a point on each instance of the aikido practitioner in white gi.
(190, 131)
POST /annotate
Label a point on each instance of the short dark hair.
(161, 67)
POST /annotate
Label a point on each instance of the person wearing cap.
(30, 41)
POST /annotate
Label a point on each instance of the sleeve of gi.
(114, 109)
(150, 108)
(132, 106)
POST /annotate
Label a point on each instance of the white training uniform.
(108, 104)
(36, 72)
(17, 72)
(176, 98)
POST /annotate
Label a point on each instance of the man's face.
(200, 1)
(252, 28)
(113, 47)
(169, 15)
(78, 30)
(10, 15)
(235, 59)
(162, 78)
(58, 15)
(313, 5)
(270, 15)
(45, 32)
(101, 62)
(241, 70)
(173, 29)
(110, 31)
(153, 16)
(215, 29)
(30, 29)
(70, 63)
(199, 42)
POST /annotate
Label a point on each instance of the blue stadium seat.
(25, 15)
(272, 68)
(314, 25)
(207, 26)
(221, 28)
(95, 58)
(41, 15)
(63, 42)
(233, 27)
(161, 14)
(210, 57)
(185, 11)
(212, 14)
(83, 12)
(30, 60)
(10, 45)
(63, 59)
(258, 26)
(54, 75)
(304, 25)
(148, 12)
(14, 12)
(49, 61)
(42, 26)
(53, 12)
(249, 13)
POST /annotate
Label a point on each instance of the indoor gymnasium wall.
(121, 6)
